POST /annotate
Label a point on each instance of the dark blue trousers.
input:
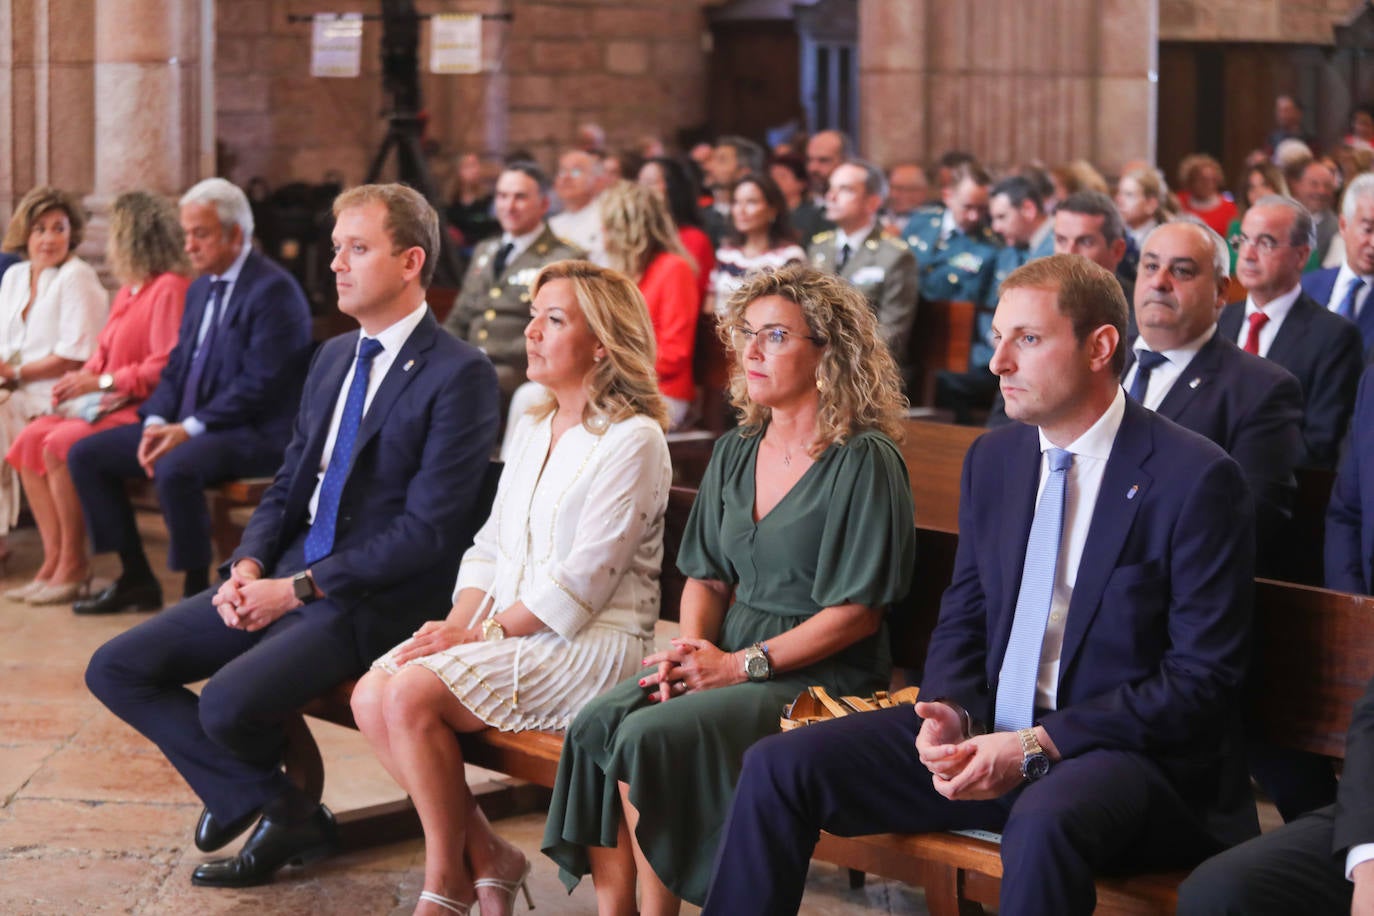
(1101, 812)
(100, 465)
(227, 743)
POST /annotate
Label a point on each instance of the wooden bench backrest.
(940, 339)
(934, 454)
(1313, 653)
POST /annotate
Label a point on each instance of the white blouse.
(66, 318)
(577, 537)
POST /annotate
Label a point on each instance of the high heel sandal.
(448, 903)
(509, 888)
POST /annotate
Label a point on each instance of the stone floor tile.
(60, 825)
(43, 723)
(58, 885)
(18, 764)
(94, 774)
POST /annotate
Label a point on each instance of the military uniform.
(960, 268)
(491, 312)
(884, 270)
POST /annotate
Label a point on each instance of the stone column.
(150, 71)
(1008, 80)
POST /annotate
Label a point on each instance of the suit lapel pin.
(406, 367)
(1195, 382)
(1135, 488)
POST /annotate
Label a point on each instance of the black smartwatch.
(304, 586)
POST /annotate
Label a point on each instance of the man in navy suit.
(353, 547)
(1080, 683)
(222, 408)
(1249, 406)
(1350, 515)
(1345, 289)
(1280, 322)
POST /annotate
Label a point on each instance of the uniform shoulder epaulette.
(824, 236)
(895, 242)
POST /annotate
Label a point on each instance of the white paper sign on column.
(336, 46)
(455, 43)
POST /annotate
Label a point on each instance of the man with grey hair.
(579, 183)
(1345, 289)
(882, 268)
(222, 408)
(1280, 322)
(1180, 367)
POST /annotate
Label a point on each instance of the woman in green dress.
(805, 517)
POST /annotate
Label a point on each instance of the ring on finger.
(679, 685)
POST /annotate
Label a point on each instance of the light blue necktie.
(1145, 363)
(1021, 664)
(320, 541)
(1347, 309)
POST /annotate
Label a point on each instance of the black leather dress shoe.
(117, 597)
(212, 834)
(272, 845)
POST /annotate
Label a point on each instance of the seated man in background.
(1080, 684)
(1281, 323)
(1350, 515)
(881, 268)
(352, 548)
(956, 252)
(493, 306)
(222, 408)
(1345, 289)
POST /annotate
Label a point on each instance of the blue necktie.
(190, 394)
(1145, 363)
(320, 541)
(1021, 664)
(1347, 309)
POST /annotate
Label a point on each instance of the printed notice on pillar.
(455, 43)
(336, 46)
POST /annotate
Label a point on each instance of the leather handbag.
(815, 704)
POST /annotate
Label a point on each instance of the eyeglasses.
(1265, 243)
(771, 340)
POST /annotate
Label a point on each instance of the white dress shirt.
(1163, 376)
(519, 244)
(583, 228)
(1090, 453)
(1277, 310)
(392, 339)
(855, 241)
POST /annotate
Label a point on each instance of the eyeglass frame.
(1265, 243)
(749, 334)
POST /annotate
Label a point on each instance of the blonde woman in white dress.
(52, 307)
(557, 598)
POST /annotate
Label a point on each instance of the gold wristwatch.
(492, 630)
(1035, 763)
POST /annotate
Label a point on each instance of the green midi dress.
(843, 534)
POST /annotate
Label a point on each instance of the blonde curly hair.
(145, 237)
(858, 382)
(623, 383)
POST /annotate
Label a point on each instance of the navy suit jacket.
(1326, 354)
(1320, 284)
(405, 515)
(254, 375)
(1156, 643)
(1350, 514)
(1252, 408)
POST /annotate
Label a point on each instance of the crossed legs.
(411, 720)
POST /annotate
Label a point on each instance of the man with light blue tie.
(222, 408)
(1345, 289)
(355, 544)
(1079, 689)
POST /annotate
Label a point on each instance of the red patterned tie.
(1257, 321)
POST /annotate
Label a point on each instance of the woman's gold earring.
(820, 383)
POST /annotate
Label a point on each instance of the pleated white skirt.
(533, 682)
